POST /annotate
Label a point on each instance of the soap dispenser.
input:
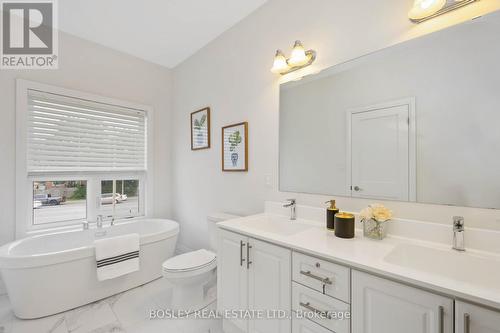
(330, 215)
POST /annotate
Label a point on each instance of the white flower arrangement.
(374, 218)
(376, 212)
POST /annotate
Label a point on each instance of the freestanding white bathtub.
(48, 274)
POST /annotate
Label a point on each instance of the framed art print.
(235, 147)
(200, 129)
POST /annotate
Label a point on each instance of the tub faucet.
(99, 221)
(292, 203)
(458, 233)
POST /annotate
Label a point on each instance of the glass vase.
(374, 229)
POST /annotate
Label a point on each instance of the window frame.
(24, 181)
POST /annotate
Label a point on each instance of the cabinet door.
(232, 277)
(474, 319)
(269, 286)
(383, 306)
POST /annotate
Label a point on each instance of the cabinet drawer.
(306, 326)
(318, 274)
(306, 301)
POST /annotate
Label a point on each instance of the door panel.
(232, 277)
(269, 285)
(383, 306)
(474, 319)
(380, 153)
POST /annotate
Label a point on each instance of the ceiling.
(165, 32)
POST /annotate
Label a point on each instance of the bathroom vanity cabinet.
(253, 275)
(258, 275)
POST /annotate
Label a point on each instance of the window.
(79, 156)
(119, 198)
(59, 201)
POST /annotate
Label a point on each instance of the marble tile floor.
(125, 312)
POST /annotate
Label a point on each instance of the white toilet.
(193, 274)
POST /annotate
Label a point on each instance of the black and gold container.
(344, 225)
(330, 215)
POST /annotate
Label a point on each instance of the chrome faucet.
(99, 221)
(458, 233)
(292, 203)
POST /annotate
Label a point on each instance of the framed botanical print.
(235, 147)
(200, 129)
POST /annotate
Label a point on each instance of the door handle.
(441, 319)
(357, 188)
(319, 278)
(316, 311)
(242, 260)
(248, 255)
(466, 323)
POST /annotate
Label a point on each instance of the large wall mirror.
(418, 122)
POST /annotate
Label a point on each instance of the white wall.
(92, 68)
(231, 75)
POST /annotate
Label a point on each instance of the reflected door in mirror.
(379, 146)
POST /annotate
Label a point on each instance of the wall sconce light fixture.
(424, 10)
(300, 58)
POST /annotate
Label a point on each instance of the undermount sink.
(465, 267)
(275, 225)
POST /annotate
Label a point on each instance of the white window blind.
(71, 134)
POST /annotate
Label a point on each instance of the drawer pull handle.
(248, 256)
(242, 245)
(316, 311)
(319, 278)
(467, 323)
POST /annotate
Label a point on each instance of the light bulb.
(280, 65)
(299, 56)
(425, 8)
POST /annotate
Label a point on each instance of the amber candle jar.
(344, 225)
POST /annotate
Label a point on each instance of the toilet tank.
(212, 220)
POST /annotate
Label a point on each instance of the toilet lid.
(189, 261)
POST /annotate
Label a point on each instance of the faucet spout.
(458, 233)
(292, 203)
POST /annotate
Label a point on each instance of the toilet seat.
(190, 264)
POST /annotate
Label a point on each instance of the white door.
(474, 319)
(269, 285)
(232, 276)
(380, 153)
(382, 306)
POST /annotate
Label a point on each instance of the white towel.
(117, 256)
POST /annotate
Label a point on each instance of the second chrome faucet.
(458, 233)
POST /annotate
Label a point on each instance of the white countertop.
(477, 281)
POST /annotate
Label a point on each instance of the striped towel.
(117, 256)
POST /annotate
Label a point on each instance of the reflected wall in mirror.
(419, 121)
